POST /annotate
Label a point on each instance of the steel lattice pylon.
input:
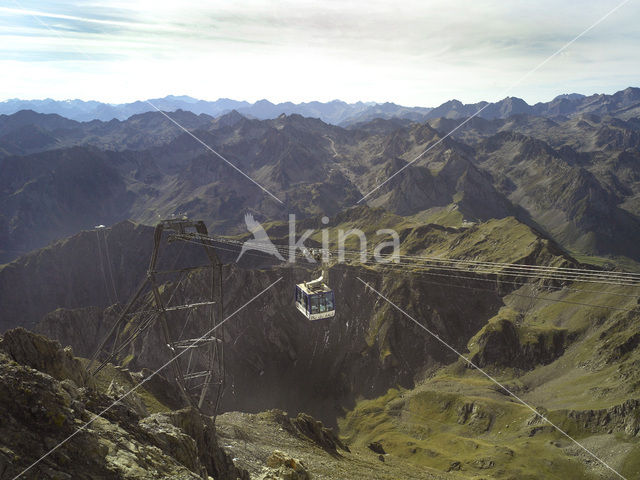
(209, 380)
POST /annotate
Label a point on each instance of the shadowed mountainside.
(315, 168)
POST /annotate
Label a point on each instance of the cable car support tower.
(151, 304)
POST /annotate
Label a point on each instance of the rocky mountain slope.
(145, 168)
(558, 189)
(574, 363)
(47, 399)
(96, 268)
(49, 402)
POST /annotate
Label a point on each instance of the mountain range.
(332, 112)
(574, 177)
(372, 392)
(623, 104)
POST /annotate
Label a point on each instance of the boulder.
(281, 466)
(377, 448)
(307, 426)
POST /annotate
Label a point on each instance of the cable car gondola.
(315, 300)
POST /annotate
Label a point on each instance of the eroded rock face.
(504, 344)
(172, 440)
(48, 405)
(202, 429)
(45, 355)
(315, 430)
(624, 418)
(307, 426)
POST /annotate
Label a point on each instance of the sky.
(414, 53)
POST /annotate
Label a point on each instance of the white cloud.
(415, 53)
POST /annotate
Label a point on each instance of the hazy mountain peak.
(262, 102)
(569, 96)
(229, 119)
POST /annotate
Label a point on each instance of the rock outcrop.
(503, 343)
(44, 355)
(623, 418)
(56, 424)
(312, 429)
(281, 466)
(377, 447)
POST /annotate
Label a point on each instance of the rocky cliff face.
(49, 404)
(277, 359)
(621, 418)
(503, 343)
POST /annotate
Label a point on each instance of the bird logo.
(260, 240)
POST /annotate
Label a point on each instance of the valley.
(456, 373)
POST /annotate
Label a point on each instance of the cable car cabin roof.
(313, 288)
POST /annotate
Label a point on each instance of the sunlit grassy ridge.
(458, 415)
(478, 436)
(573, 353)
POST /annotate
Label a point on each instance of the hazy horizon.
(306, 101)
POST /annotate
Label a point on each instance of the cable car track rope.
(461, 269)
(462, 265)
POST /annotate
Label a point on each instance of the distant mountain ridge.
(623, 104)
(334, 112)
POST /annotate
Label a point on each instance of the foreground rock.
(48, 407)
(280, 466)
(306, 426)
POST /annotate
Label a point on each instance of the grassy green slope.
(571, 353)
